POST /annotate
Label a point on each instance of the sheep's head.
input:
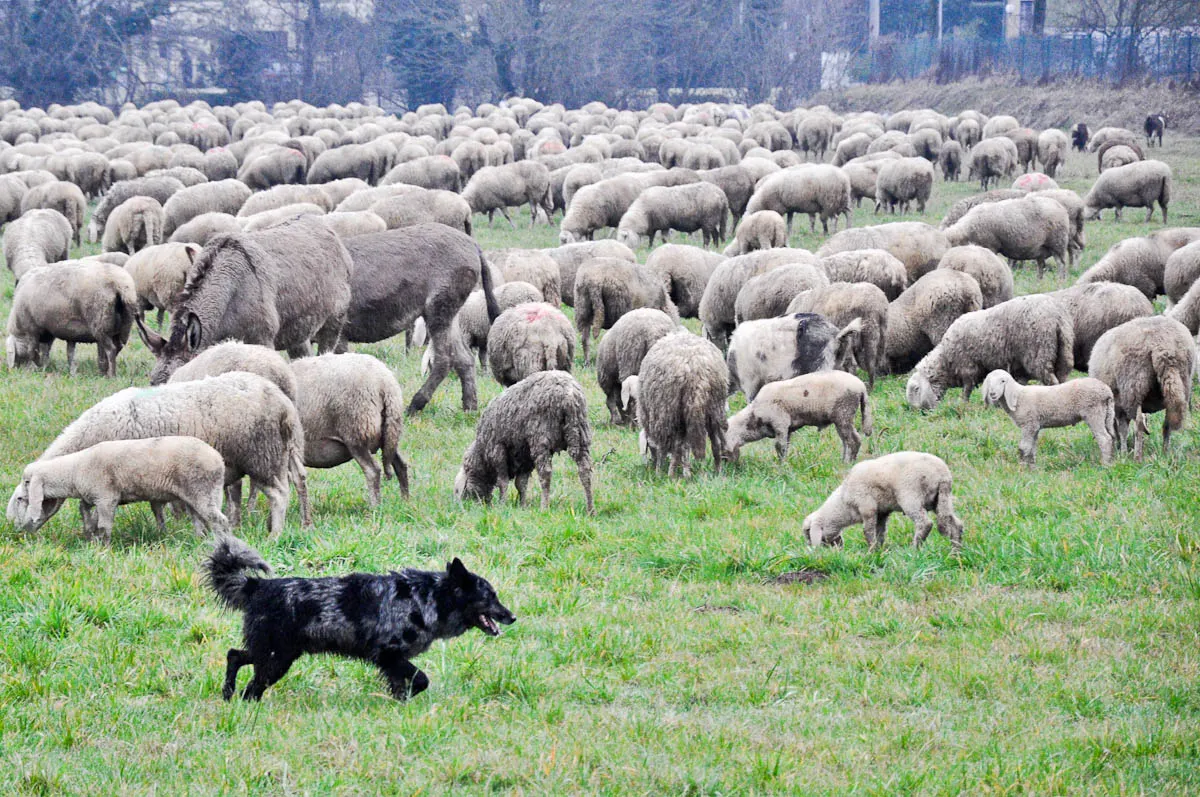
(21, 351)
(182, 346)
(28, 508)
(816, 532)
(566, 236)
(999, 390)
(920, 392)
(628, 237)
(470, 482)
(629, 394)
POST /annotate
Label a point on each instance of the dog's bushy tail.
(226, 566)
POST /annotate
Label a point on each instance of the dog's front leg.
(235, 660)
(403, 677)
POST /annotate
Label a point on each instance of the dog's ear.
(457, 570)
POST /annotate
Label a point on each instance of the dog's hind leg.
(403, 677)
(235, 660)
(267, 672)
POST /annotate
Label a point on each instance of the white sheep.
(1036, 407)
(160, 470)
(911, 482)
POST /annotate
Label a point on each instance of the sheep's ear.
(36, 496)
(191, 250)
(193, 332)
(1011, 391)
(154, 341)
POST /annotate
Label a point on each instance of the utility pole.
(940, 4)
(873, 22)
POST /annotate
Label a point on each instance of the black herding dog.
(383, 619)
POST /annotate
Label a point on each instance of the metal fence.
(1161, 56)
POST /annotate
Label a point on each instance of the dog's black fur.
(1154, 126)
(383, 619)
(1079, 136)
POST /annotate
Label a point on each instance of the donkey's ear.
(154, 341)
(194, 332)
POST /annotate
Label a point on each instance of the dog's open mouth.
(488, 625)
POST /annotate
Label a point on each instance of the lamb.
(76, 302)
(426, 271)
(994, 276)
(685, 208)
(571, 256)
(767, 295)
(528, 338)
(911, 482)
(1033, 408)
(158, 188)
(903, 181)
(1098, 307)
(875, 266)
(950, 160)
(764, 229)
(718, 303)
(916, 244)
(686, 271)
(1029, 228)
(1149, 364)
(620, 353)
(292, 284)
(532, 266)
(495, 188)
(841, 303)
(1137, 185)
(64, 197)
(992, 159)
(223, 196)
(1139, 262)
(830, 398)
(37, 238)
(521, 430)
(135, 225)
(606, 288)
(232, 356)
(159, 274)
(351, 406)
(681, 393)
(1032, 337)
(818, 190)
(183, 470)
(206, 227)
(772, 349)
(1052, 149)
(251, 424)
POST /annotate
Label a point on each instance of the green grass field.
(655, 650)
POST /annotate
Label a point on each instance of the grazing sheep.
(351, 406)
(1154, 126)
(1187, 310)
(992, 159)
(352, 223)
(968, 132)
(901, 182)
(205, 228)
(1026, 141)
(829, 398)
(818, 190)
(419, 206)
(917, 245)
(685, 208)
(863, 176)
(875, 266)
(841, 303)
(429, 171)
(771, 349)
(1137, 185)
(962, 206)
(950, 161)
(1080, 136)
(920, 316)
(235, 356)
(607, 288)
(1181, 270)
(1052, 149)
(159, 274)
(272, 166)
(37, 238)
(1034, 181)
(767, 295)
(686, 271)
(248, 420)
(620, 353)
(1149, 363)
(472, 321)
(182, 470)
(1029, 228)
(571, 256)
(1114, 154)
(500, 187)
(76, 302)
(283, 195)
(291, 283)
(763, 229)
(521, 430)
(812, 135)
(1033, 408)
(427, 271)
(64, 197)
(269, 218)
(135, 225)
(1139, 262)
(603, 204)
(681, 393)
(994, 276)
(223, 196)
(909, 481)
(1098, 307)
(532, 266)
(738, 184)
(158, 188)
(528, 338)
(1032, 337)
(12, 190)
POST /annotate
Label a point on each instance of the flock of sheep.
(264, 230)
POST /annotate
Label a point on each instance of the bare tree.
(1124, 25)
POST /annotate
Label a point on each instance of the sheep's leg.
(1164, 211)
(233, 502)
(1041, 264)
(522, 485)
(1139, 441)
(105, 511)
(157, 508)
(371, 471)
(400, 467)
(1062, 265)
(532, 213)
(89, 519)
(871, 527)
(1150, 213)
(922, 525)
(881, 529)
(1028, 445)
(587, 343)
(782, 438)
(789, 223)
(545, 470)
(508, 218)
(1122, 429)
(300, 350)
(1117, 213)
(159, 318)
(491, 215)
(1166, 434)
(584, 464)
(716, 438)
(1103, 439)
(851, 441)
(277, 498)
(71, 366)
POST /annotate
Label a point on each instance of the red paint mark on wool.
(536, 314)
